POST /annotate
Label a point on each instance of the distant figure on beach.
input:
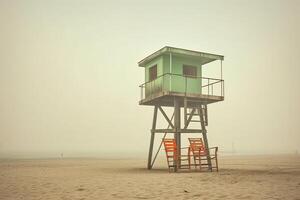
(62, 155)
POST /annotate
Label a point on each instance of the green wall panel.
(172, 82)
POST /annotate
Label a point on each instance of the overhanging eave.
(204, 57)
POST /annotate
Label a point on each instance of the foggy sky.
(69, 76)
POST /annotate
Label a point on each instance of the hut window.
(153, 73)
(189, 71)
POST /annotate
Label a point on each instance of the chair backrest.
(170, 147)
(197, 146)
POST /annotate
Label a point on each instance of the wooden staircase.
(193, 114)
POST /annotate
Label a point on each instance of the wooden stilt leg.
(205, 137)
(177, 133)
(152, 138)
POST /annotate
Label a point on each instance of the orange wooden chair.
(173, 159)
(201, 155)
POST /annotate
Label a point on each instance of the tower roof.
(203, 57)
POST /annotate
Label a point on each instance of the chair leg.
(168, 162)
(211, 167)
(200, 163)
(197, 162)
(217, 166)
(189, 157)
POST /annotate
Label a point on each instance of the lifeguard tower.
(173, 78)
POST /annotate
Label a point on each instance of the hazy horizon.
(69, 76)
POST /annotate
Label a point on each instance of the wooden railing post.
(208, 86)
(185, 85)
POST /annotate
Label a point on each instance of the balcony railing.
(182, 84)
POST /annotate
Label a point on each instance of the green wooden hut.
(173, 71)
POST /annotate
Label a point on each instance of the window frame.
(190, 75)
(151, 73)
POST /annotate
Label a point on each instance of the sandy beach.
(240, 177)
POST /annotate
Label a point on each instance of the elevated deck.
(160, 91)
(166, 98)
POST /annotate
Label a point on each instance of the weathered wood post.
(177, 133)
(152, 137)
(204, 131)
